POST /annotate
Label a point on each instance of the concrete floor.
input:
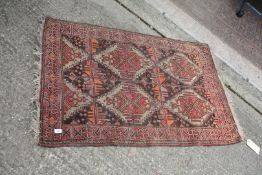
(19, 23)
(243, 34)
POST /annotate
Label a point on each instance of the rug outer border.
(193, 143)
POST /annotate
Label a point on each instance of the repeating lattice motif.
(110, 87)
(125, 80)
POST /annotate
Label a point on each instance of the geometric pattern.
(103, 89)
(191, 107)
(181, 68)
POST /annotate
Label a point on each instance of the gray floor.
(243, 34)
(19, 23)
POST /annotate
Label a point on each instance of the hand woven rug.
(103, 86)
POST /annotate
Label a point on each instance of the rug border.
(48, 145)
(194, 143)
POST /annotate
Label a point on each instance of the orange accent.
(157, 91)
(52, 97)
(94, 45)
(162, 78)
(97, 82)
(88, 68)
(98, 86)
(51, 120)
(91, 114)
(92, 118)
(169, 120)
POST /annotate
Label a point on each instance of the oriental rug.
(109, 87)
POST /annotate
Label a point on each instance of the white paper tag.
(253, 146)
(58, 131)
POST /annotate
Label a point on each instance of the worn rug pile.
(109, 87)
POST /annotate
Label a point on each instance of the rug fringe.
(35, 123)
